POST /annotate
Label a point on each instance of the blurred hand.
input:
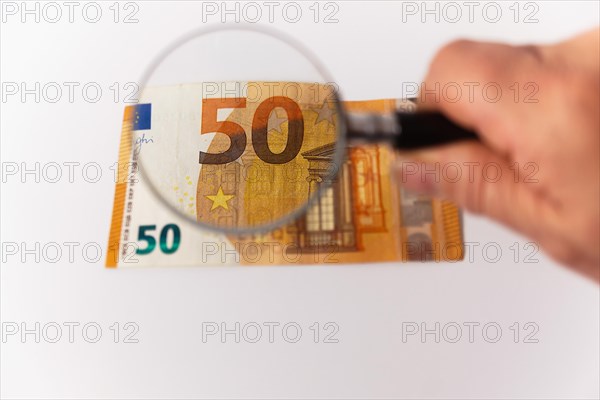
(548, 151)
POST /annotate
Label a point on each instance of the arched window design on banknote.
(331, 220)
(368, 204)
(352, 205)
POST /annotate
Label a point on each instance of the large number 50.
(237, 135)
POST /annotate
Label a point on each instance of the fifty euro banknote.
(363, 215)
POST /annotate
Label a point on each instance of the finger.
(480, 181)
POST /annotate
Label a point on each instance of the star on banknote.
(220, 199)
(324, 113)
(275, 122)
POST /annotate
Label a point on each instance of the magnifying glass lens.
(238, 130)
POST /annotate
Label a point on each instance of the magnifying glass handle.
(406, 130)
(425, 129)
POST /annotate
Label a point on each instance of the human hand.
(547, 151)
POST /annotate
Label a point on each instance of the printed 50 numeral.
(144, 234)
(237, 135)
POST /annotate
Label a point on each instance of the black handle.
(426, 129)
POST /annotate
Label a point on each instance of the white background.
(370, 51)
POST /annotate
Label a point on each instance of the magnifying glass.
(241, 130)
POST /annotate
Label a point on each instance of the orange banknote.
(362, 214)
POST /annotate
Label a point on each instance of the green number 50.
(144, 235)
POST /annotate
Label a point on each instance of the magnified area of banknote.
(257, 171)
(285, 152)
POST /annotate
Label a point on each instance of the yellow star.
(220, 199)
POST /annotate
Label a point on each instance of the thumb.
(478, 180)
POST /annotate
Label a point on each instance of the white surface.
(369, 52)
